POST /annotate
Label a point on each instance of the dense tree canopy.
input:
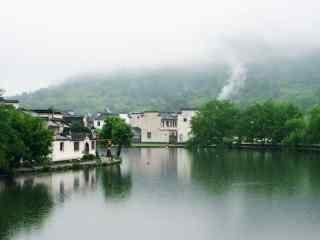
(214, 121)
(118, 131)
(294, 80)
(267, 120)
(313, 130)
(22, 137)
(264, 122)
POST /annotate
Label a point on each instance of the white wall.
(125, 117)
(184, 125)
(68, 153)
(96, 124)
(150, 122)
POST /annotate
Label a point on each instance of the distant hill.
(294, 80)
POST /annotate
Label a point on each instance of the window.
(185, 120)
(61, 146)
(149, 134)
(98, 123)
(93, 145)
(76, 146)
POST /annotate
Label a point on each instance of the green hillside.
(295, 80)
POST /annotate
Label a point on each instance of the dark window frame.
(76, 146)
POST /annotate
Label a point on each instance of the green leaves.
(117, 130)
(215, 121)
(22, 137)
(267, 122)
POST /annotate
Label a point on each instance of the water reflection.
(170, 194)
(270, 172)
(115, 184)
(23, 207)
(27, 201)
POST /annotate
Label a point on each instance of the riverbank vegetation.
(118, 132)
(266, 122)
(22, 137)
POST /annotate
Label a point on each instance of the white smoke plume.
(235, 82)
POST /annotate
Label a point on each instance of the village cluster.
(148, 127)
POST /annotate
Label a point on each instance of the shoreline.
(65, 166)
(242, 146)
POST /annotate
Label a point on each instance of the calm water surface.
(170, 194)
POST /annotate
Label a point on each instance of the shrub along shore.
(277, 123)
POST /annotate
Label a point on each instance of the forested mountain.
(295, 80)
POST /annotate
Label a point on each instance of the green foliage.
(120, 132)
(88, 157)
(22, 137)
(313, 130)
(215, 121)
(284, 80)
(116, 129)
(296, 131)
(77, 127)
(267, 121)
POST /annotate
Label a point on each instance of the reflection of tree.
(219, 171)
(114, 183)
(22, 207)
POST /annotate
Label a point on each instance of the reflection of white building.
(184, 166)
(62, 182)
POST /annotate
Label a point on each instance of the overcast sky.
(43, 42)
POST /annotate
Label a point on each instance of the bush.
(88, 157)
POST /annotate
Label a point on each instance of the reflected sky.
(170, 194)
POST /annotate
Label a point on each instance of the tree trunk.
(119, 150)
(109, 154)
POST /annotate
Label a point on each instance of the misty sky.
(43, 42)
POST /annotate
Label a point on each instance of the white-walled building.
(98, 119)
(67, 148)
(184, 124)
(8, 102)
(125, 117)
(151, 126)
(47, 113)
(161, 127)
(66, 145)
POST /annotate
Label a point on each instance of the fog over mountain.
(46, 43)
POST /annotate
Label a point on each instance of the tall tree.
(313, 130)
(22, 137)
(215, 121)
(267, 120)
(118, 131)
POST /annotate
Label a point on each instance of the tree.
(266, 121)
(313, 130)
(118, 131)
(296, 131)
(22, 137)
(216, 120)
(77, 127)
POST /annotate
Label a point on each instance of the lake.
(160, 193)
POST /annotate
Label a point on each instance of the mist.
(45, 42)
